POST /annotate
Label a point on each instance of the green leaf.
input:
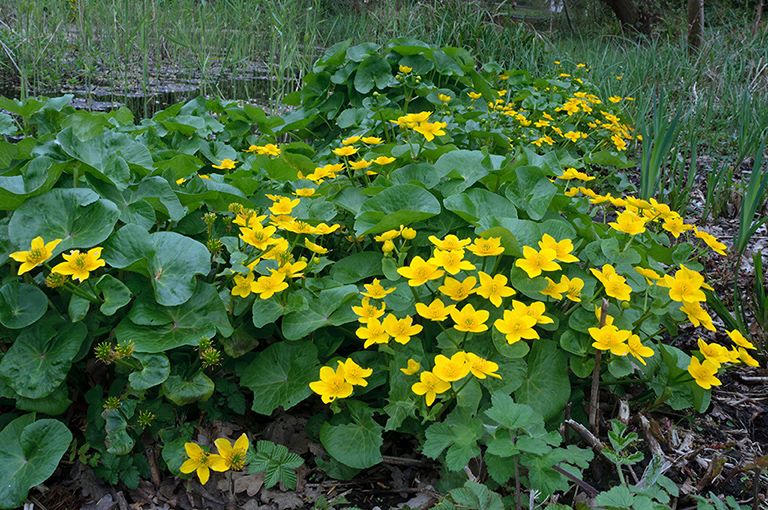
(180, 391)
(356, 444)
(155, 370)
(477, 496)
(176, 261)
(40, 358)
(118, 441)
(328, 308)
(459, 434)
(546, 387)
(477, 203)
(356, 267)
(533, 191)
(280, 375)
(115, 293)
(76, 216)
(53, 404)
(108, 155)
(129, 248)
(509, 414)
(616, 497)
(36, 177)
(155, 328)
(374, 71)
(397, 205)
(29, 454)
(21, 304)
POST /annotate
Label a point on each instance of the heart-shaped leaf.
(155, 370)
(21, 305)
(182, 391)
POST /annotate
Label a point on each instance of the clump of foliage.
(438, 253)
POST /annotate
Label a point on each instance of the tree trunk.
(695, 23)
(638, 16)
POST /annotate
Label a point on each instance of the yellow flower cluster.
(77, 265)
(339, 383)
(419, 122)
(229, 457)
(447, 370)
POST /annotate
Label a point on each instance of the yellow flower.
(629, 222)
(420, 271)
(746, 358)
(554, 290)
(401, 330)
(676, 226)
(444, 98)
(350, 140)
(684, 288)
(610, 338)
(260, 237)
(345, 151)
(650, 274)
(494, 288)
(615, 284)
(711, 241)
(304, 192)
(360, 165)
(292, 269)
(436, 311)
(697, 315)
(638, 350)
(267, 286)
(704, 373)
(269, 149)
(354, 373)
(449, 243)
(544, 139)
(430, 129)
(408, 233)
(315, 247)
(226, 164)
(383, 160)
(481, 367)
(243, 285)
(574, 136)
(38, 253)
(474, 95)
(737, 338)
(373, 332)
(233, 456)
(534, 262)
(574, 286)
(470, 320)
(452, 261)
(486, 247)
(79, 265)
(457, 290)
(284, 205)
(615, 99)
(619, 142)
(387, 236)
(374, 290)
(201, 462)
(404, 69)
(430, 386)
(715, 353)
(535, 310)
(332, 384)
(452, 369)
(367, 311)
(412, 368)
(515, 326)
(372, 140)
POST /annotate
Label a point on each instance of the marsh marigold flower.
(449, 243)
(610, 338)
(374, 290)
(201, 462)
(332, 384)
(436, 311)
(420, 271)
(486, 247)
(494, 288)
(79, 265)
(373, 332)
(243, 285)
(737, 338)
(354, 373)
(704, 373)
(401, 330)
(452, 369)
(267, 286)
(470, 320)
(515, 326)
(452, 261)
(430, 386)
(481, 367)
(638, 350)
(38, 253)
(457, 290)
(534, 262)
(225, 164)
(233, 456)
(367, 310)
(412, 368)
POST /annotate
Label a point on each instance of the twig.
(593, 401)
(590, 438)
(578, 481)
(154, 472)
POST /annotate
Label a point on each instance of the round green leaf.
(29, 454)
(54, 404)
(21, 305)
(155, 370)
(185, 391)
(36, 177)
(173, 267)
(398, 205)
(280, 375)
(546, 387)
(76, 216)
(154, 328)
(37, 362)
(356, 444)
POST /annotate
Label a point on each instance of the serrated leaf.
(356, 444)
(459, 434)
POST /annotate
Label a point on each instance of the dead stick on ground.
(593, 401)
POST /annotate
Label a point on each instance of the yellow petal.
(242, 443)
